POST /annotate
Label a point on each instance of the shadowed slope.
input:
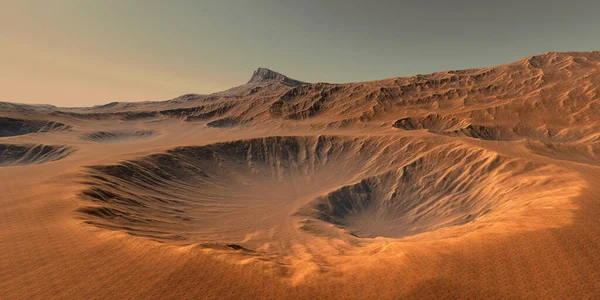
(16, 155)
(14, 127)
(115, 136)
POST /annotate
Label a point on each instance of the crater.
(115, 136)
(15, 127)
(225, 123)
(431, 122)
(457, 127)
(419, 197)
(261, 191)
(18, 155)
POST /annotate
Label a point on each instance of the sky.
(90, 52)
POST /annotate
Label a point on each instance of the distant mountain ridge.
(480, 103)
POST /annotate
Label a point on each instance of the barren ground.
(478, 183)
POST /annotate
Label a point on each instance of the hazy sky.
(86, 52)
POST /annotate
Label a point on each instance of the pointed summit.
(262, 75)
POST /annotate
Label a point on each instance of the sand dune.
(478, 183)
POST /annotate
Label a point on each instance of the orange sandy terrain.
(479, 183)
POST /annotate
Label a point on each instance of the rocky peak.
(262, 75)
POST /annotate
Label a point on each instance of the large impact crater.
(253, 192)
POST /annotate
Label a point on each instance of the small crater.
(114, 136)
(18, 155)
(15, 127)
